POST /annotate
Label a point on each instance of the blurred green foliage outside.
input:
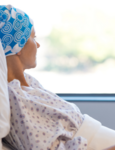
(81, 40)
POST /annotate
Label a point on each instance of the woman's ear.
(19, 53)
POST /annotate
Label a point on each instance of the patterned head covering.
(15, 29)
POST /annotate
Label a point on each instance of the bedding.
(4, 100)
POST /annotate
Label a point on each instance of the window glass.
(77, 38)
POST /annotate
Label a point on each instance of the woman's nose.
(38, 45)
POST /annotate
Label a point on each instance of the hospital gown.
(40, 120)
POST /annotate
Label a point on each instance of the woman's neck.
(15, 70)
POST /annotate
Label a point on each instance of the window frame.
(87, 97)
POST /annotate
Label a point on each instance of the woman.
(39, 118)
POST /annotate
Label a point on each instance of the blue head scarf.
(15, 29)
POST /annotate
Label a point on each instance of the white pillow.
(4, 100)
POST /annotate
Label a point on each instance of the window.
(77, 38)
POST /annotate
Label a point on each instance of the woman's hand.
(110, 148)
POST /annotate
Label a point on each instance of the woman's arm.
(111, 148)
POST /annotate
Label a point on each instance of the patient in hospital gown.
(41, 120)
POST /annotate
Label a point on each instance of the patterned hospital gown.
(40, 120)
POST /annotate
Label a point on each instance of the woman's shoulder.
(33, 82)
(15, 85)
